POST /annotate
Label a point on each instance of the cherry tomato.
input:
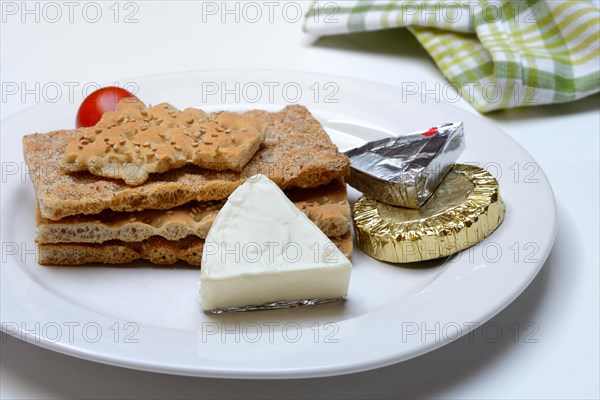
(99, 102)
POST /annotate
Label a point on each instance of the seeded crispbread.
(327, 206)
(296, 152)
(134, 141)
(157, 250)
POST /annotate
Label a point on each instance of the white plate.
(149, 318)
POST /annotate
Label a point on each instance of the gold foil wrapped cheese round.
(465, 208)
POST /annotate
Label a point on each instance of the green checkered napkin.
(498, 54)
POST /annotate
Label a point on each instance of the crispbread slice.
(156, 250)
(327, 206)
(297, 152)
(134, 141)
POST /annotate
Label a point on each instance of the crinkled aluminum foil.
(277, 305)
(405, 170)
(465, 209)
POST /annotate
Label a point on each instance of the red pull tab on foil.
(430, 132)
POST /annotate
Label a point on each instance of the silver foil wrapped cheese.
(405, 170)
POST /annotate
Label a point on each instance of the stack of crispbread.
(147, 183)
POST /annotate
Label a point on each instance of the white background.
(561, 359)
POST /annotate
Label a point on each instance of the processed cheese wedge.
(261, 249)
